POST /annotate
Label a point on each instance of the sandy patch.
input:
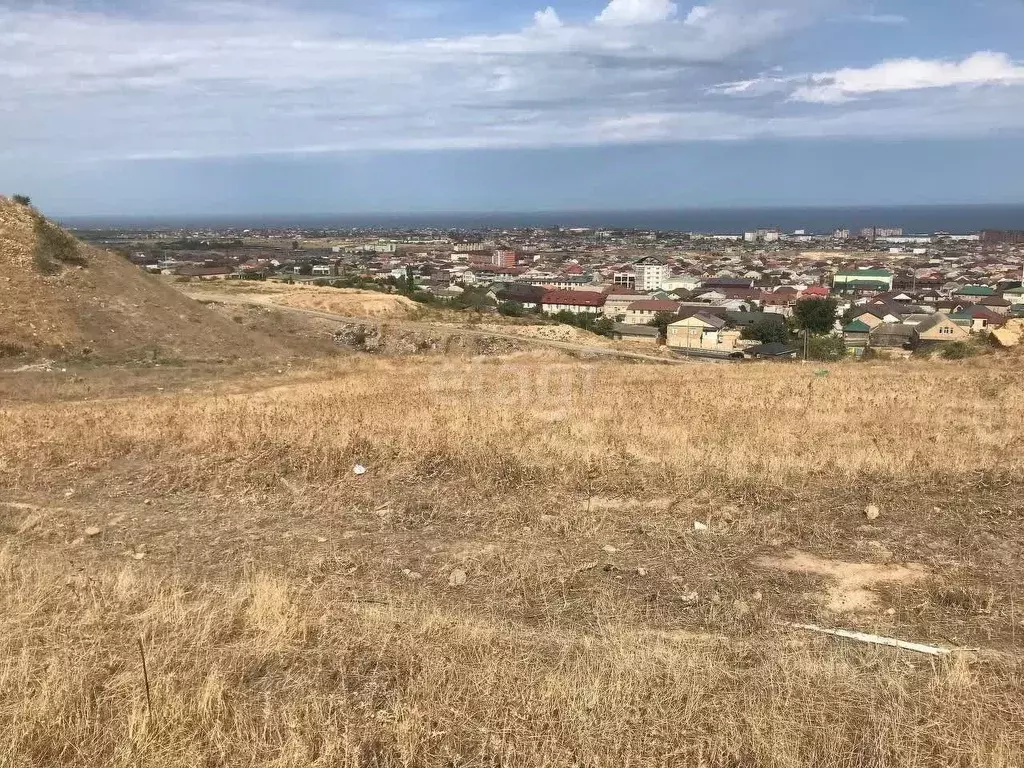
(851, 590)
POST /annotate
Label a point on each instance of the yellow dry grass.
(295, 614)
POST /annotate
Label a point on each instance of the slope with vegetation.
(61, 298)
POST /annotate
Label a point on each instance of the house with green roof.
(975, 292)
(1014, 295)
(849, 281)
(856, 334)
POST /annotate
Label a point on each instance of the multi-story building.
(998, 237)
(650, 273)
(861, 280)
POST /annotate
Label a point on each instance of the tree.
(816, 316)
(826, 348)
(410, 280)
(22, 199)
(767, 332)
(511, 309)
(306, 270)
(661, 321)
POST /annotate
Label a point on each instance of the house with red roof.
(556, 300)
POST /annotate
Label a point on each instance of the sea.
(953, 219)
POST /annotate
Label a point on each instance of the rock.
(891, 612)
(689, 597)
(609, 549)
(93, 531)
(321, 539)
(412, 575)
(359, 469)
(699, 526)
(641, 571)
(457, 578)
(757, 597)
(872, 512)
(139, 555)
(69, 493)
(78, 542)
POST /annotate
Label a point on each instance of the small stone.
(872, 512)
(457, 578)
(412, 575)
(891, 612)
(359, 469)
(321, 539)
(689, 597)
(609, 549)
(139, 555)
(69, 493)
(699, 526)
(641, 571)
(757, 597)
(93, 531)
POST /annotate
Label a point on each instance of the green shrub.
(958, 350)
(55, 248)
(826, 348)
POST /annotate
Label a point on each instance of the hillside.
(61, 298)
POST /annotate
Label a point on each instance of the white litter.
(863, 637)
(359, 469)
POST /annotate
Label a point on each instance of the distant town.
(698, 294)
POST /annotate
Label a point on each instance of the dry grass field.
(546, 563)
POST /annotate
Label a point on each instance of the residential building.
(641, 334)
(863, 280)
(857, 334)
(650, 273)
(618, 302)
(563, 283)
(681, 282)
(642, 312)
(698, 331)
(324, 270)
(938, 328)
(589, 302)
(974, 293)
(997, 237)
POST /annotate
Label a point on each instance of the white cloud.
(894, 19)
(629, 12)
(697, 15)
(982, 68)
(197, 81)
(547, 19)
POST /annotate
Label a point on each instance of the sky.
(149, 107)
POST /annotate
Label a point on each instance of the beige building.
(939, 327)
(701, 331)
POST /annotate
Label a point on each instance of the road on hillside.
(581, 349)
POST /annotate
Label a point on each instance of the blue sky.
(318, 106)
